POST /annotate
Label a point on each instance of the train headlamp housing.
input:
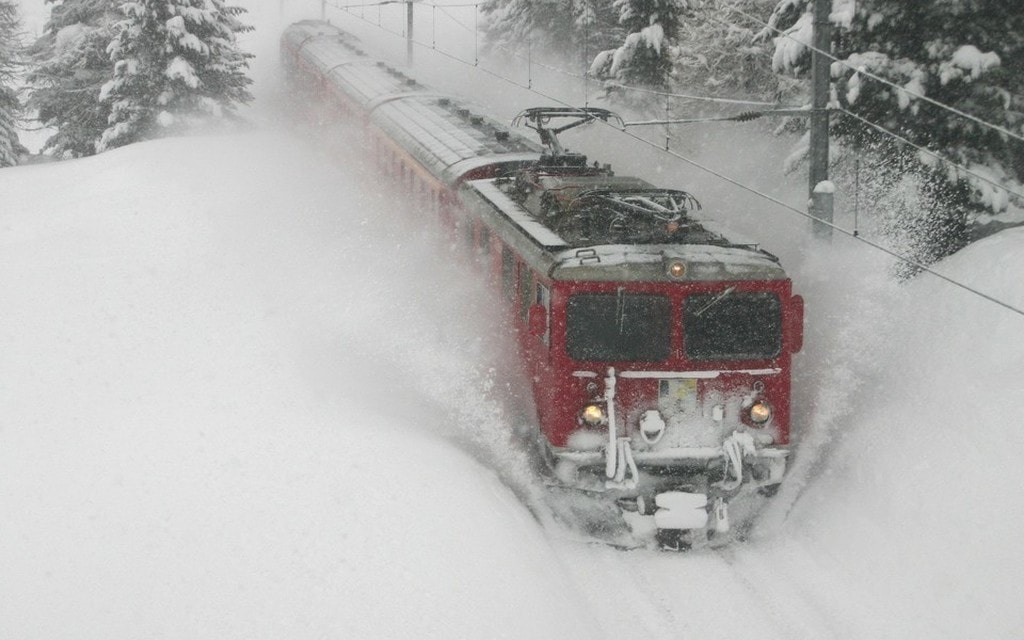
(760, 412)
(676, 269)
(593, 415)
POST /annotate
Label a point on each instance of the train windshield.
(619, 327)
(732, 326)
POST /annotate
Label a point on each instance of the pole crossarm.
(746, 116)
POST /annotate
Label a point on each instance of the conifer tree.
(71, 66)
(967, 54)
(572, 29)
(10, 104)
(715, 54)
(175, 62)
(645, 57)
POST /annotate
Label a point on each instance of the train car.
(660, 352)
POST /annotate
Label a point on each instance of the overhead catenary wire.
(966, 171)
(935, 155)
(877, 78)
(740, 12)
(853, 234)
(560, 70)
(751, 115)
(748, 115)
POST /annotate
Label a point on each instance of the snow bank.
(913, 508)
(200, 436)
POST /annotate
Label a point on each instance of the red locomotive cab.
(659, 350)
(654, 380)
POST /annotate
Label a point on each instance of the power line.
(690, 97)
(851, 234)
(759, 21)
(875, 77)
(935, 155)
(438, 6)
(561, 70)
(378, 3)
(1000, 186)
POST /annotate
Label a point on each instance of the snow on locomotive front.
(660, 350)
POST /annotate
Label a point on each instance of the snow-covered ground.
(240, 397)
(228, 393)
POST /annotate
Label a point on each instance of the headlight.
(593, 415)
(760, 412)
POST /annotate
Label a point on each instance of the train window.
(508, 273)
(544, 299)
(525, 291)
(425, 197)
(483, 241)
(732, 326)
(619, 327)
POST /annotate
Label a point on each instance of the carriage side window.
(483, 241)
(631, 327)
(525, 291)
(732, 326)
(508, 273)
(544, 299)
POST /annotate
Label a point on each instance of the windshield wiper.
(714, 301)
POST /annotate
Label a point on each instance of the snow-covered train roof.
(452, 141)
(361, 79)
(553, 254)
(448, 138)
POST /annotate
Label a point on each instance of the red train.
(660, 352)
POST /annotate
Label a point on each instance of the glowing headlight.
(593, 415)
(676, 270)
(760, 412)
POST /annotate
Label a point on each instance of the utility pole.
(821, 197)
(408, 33)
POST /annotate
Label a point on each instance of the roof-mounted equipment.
(539, 119)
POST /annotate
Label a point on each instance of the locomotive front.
(660, 350)
(669, 382)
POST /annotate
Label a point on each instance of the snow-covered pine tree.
(572, 29)
(715, 54)
(967, 54)
(175, 62)
(645, 56)
(71, 66)
(10, 104)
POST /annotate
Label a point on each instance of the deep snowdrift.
(228, 393)
(237, 388)
(915, 492)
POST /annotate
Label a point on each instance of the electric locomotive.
(660, 352)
